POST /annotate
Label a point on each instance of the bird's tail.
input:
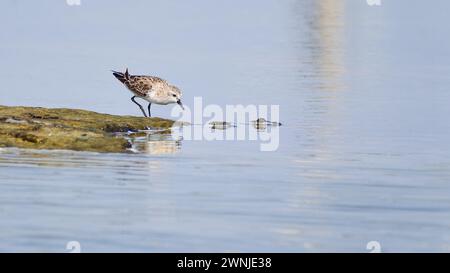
(122, 77)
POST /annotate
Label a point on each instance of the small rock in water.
(220, 125)
(262, 121)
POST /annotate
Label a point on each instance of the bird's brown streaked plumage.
(150, 88)
(139, 84)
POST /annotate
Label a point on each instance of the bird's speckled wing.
(142, 85)
(139, 85)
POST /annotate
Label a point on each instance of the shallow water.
(363, 155)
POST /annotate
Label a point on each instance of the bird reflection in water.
(155, 142)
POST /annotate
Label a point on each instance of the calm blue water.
(364, 152)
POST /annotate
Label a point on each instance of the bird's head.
(175, 95)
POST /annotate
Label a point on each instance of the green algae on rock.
(69, 129)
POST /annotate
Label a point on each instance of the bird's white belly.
(153, 97)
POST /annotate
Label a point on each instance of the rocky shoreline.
(70, 129)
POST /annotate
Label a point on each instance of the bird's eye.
(174, 95)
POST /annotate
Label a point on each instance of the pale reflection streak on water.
(338, 158)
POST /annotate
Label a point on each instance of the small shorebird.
(150, 88)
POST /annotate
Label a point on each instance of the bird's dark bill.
(180, 104)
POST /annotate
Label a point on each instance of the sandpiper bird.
(151, 89)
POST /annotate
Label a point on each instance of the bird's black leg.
(140, 106)
(149, 113)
